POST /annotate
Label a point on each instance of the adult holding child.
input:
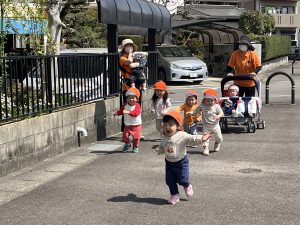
(244, 61)
(127, 64)
(132, 65)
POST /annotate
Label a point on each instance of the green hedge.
(137, 40)
(273, 46)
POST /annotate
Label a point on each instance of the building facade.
(286, 14)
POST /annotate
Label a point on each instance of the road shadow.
(134, 198)
(235, 129)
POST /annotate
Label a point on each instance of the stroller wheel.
(261, 124)
(248, 127)
(251, 128)
(224, 125)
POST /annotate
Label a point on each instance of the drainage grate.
(104, 147)
(250, 170)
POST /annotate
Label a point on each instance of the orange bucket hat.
(210, 93)
(160, 85)
(189, 93)
(133, 91)
(176, 115)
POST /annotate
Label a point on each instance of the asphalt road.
(254, 179)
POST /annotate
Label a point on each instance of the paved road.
(254, 179)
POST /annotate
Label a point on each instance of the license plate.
(193, 75)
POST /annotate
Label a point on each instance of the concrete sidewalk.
(25, 180)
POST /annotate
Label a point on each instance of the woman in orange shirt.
(244, 61)
(126, 62)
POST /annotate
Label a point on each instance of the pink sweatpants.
(135, 131)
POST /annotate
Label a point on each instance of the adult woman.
(244, 61)
(126, 63)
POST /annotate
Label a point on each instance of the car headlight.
(173, 66)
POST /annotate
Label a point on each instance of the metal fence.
(37, 84)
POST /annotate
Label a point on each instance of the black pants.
(247, 91)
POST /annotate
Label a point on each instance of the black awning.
(139, 13)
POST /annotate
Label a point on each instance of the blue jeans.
(191, 129)
(177, 173)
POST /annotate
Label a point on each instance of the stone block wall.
(32, 140)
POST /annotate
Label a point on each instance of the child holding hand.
(190, 122)
(211, 114)
(173, 145)
(132, 119)
(160, 103)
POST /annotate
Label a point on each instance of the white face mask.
(128, 49)
(243, 48)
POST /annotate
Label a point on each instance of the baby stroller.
(247, 111)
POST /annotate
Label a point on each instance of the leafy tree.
(254, 22)
(83, 29)
(196, 47)
(22, 10)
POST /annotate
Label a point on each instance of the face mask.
(243, 48)
(128, 49)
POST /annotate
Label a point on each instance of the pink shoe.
(174, 199)
(189, 190)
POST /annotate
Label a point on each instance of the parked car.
(80, 73)
(175, 63)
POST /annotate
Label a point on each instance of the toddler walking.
(160, 103)
(132, 119)
(173, 145)
(190, 122)
(211, 114)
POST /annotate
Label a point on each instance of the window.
(174, 52)
(20, 41)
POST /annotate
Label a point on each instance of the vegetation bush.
(273, 46)
(83, 30)
(196, 47)
(254, 22)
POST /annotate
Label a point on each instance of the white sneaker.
(189, 190)
(174, 199)
(205, 150)
(217, 147)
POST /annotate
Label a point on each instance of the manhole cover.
(104, 147)
(250, 170)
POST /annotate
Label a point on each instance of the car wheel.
(162, 75)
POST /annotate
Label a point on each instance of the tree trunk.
(55, 25)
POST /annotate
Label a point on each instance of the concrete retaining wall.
(274, 63)
(30, 141)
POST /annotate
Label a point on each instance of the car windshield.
(174, 52)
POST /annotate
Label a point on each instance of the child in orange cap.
(160, 103)
(132, 119)
(211, 114)
(173, 145)
(190, 122)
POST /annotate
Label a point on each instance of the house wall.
(32, 140)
